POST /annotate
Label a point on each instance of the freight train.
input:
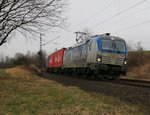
(100, 56)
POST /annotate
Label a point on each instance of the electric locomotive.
(99, 56)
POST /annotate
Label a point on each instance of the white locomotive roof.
(109, 37)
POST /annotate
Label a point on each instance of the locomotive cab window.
(119, 46)
(107, 44)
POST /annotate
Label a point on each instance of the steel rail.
(139, 83)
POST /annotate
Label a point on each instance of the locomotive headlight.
(125, 62)
(99, 58)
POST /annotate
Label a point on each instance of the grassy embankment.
(139, 65)
(22, 92)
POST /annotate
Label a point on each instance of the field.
(24, 93)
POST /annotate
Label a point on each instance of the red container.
(51, 60)
(56, 59)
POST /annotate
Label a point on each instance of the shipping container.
(56, 59)
(51, 60)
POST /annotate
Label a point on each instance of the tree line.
(23, 59)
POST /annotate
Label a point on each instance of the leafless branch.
(31, 16)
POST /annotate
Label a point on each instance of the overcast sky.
(128, 19)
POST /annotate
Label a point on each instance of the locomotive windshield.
(113, 45)
(107, 44)
(119, 45)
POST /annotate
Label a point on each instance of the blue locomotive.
(100, 56)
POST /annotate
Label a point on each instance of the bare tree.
(29, 16)
(130, 45)
(138, 46)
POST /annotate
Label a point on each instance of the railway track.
(131, 82)
(138, 83)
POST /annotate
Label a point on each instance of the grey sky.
(129, 19)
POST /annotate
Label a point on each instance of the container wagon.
(55, 61)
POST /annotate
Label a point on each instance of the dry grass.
(139, 65)
(19, 70)
(140, 73)
(28, 94)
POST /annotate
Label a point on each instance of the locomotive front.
(110, 53)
